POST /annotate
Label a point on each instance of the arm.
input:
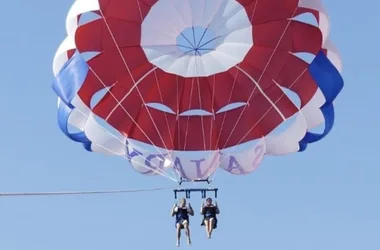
(174, 210)
(217, 211)
(190, 210)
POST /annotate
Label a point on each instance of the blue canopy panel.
(66, 84)
(330, 82)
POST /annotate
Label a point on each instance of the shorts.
(207, 218)
(181, 222)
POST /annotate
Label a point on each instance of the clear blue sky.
(325, 198)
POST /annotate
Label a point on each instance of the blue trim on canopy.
(66, 84)
(330, 82)
(64, 113)
(70, 79)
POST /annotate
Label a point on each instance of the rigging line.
(157, 81)
(135, 83)
(155, 169)
(257, 83)
(127, 113)
(200, 101)
(84, 192)
(140, 164)
(262, 117)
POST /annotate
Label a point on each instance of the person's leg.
(187, 231)
(211, 226)
(207, 226)
(179, 227)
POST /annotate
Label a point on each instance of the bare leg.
(178, 234)
(211, 226)
(187, 231)
(207, 226)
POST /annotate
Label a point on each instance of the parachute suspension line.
(157, 83)
(200, 101)
(279, 98)
(125, 111)
(119, 102)
(200, 107)
(140, 164)
(273, 105)
(213, 110)
(84, 192)
(225, 114)
(155, 169)
(188, 118)
(134, 121)
(212, 177)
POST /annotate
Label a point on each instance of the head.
(208, 201)
(182, 202)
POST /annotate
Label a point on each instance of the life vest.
(209, 212)
(182, 214)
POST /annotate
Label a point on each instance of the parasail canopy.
(196, 85)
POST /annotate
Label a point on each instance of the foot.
(189, 242)
(178, 244)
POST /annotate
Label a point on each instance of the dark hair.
(209, 199)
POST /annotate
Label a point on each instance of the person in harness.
(181, 213)
(209, 212)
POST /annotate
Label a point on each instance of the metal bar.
(184, 180)
(188, 191)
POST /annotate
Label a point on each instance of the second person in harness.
(209, 212)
